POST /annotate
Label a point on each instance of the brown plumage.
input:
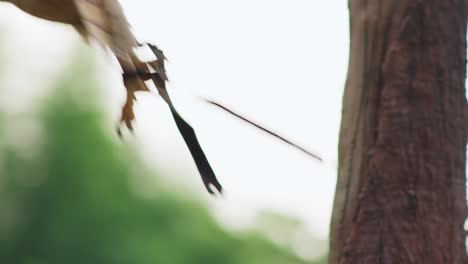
(105, 22)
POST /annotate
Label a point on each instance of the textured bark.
(401, 191)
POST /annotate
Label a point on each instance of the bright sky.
(281, 63)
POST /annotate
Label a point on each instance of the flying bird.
(104, 21)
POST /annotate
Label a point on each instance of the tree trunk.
(401, 191)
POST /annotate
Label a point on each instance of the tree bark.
(401, 190)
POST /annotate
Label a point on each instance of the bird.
(104, 22)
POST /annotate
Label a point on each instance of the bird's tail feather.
(283, 139)
(207, 174)
(137, 72)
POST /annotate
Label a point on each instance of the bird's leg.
(142, 75)
(134, 78)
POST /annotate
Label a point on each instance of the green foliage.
(76, 200)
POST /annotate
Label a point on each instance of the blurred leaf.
(76, 201)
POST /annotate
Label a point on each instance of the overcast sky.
(281, 63)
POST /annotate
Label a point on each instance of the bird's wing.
(104, 21)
